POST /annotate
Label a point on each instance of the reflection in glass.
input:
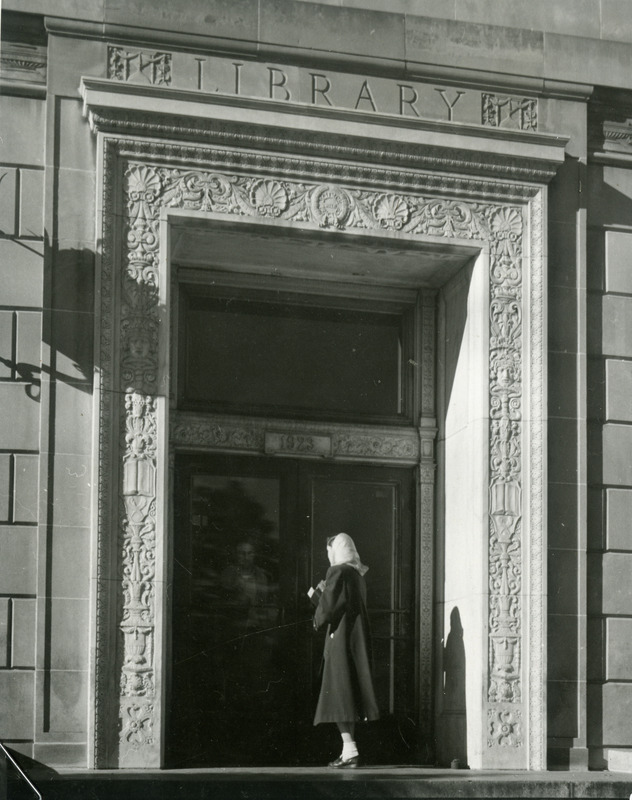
(232, 659)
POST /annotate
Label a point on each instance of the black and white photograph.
(315, 399)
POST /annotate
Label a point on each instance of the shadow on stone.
(453, 717)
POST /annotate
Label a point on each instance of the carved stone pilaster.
(505, 466)
(138, 373)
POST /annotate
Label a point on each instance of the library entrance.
(250, 539)
(341, 305)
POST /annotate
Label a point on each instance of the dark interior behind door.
(249, 540)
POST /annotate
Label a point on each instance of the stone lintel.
(117, 106)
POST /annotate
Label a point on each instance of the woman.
(346, 694)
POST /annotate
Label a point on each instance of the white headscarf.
(342, 550)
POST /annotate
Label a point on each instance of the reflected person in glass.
(346, 695)
(247, 587)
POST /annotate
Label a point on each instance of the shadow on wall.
(66, 326)
(456, 299)
(452, 720)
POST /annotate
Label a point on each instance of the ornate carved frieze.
(262, 435)
(377, 446)
(132, 64)
(132, 368)
(507, 111)
(320, 205)
(188, 430)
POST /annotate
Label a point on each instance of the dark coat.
(346, 693)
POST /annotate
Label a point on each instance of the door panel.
(249, 539)
(233, 583)
(374, 506)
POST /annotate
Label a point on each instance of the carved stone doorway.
(152, 190)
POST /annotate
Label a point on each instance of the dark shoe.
(350, 763)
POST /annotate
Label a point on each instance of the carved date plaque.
(297, 444)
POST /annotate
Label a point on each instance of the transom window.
(288, 355)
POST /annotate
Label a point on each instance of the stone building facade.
(467, 185)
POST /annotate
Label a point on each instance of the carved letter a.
(365, 94)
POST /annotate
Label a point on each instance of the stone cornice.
(128, 109)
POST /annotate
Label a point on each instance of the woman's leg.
(349, 747)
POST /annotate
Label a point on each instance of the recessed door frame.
(346, 443)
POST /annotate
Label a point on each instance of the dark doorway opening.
(249, 540)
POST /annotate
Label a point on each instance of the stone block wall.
(21, 309)
(610, 462)
(47, 196)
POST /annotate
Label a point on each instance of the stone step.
(316, 784)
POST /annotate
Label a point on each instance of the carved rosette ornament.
(150, 189)
(504, 728)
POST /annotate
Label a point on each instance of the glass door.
(249, 540)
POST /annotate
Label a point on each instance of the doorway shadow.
(453, 714)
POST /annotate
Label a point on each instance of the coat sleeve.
(333, 601)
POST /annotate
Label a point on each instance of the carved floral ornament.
(152, 187)
(325, 205)
(504, 728)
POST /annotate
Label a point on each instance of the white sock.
(349, 750)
